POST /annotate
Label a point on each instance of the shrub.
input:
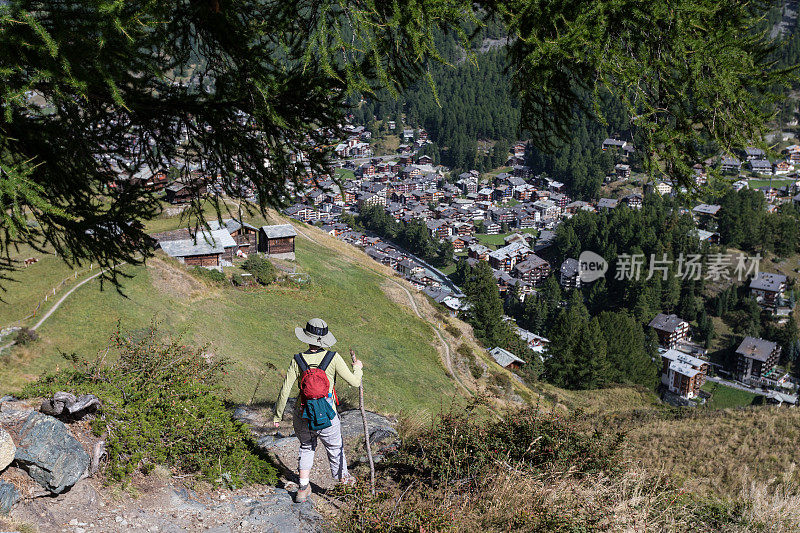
(213, 276)
(26, 336)
(457, 447)
(452, 330)
(237, 280)
(472, 362)
(261, 269)
(162, 405)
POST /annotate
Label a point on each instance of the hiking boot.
(303, 494)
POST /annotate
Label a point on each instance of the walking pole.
(366, 430)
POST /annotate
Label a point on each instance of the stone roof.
(667, 323)
(279, 231)
(504, 357)
(205, 243)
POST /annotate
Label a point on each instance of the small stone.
(80, 530)
(7, 449)
(8, 497)
(73, 522)
(118, 519)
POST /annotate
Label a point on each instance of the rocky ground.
(51, 477)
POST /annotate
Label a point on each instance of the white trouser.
(331, 438)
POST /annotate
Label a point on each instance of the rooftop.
(758, 349)
(767, 281)
(504, 357)
(279, 231)
(667, 323)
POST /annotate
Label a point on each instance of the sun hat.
(316, 333)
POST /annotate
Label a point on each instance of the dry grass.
(170, 279)
(708, 450)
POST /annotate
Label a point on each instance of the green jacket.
(337, 368)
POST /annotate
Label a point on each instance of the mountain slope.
(255, 328)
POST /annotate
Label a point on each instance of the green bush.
(26, 336)
(264, 271)
(214, 276)
(161, 404)
(237, 280)
(472, 362)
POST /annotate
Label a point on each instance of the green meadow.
(254, 328)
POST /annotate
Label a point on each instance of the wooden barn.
(207, 249)
(245, 235)
(277, 240)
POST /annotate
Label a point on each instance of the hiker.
(315, 411)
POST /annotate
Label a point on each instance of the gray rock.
(67, 404)
(380, 427)
(8, 497)
(272, 442)
(7, 449)
(50, 454)
(279, 512)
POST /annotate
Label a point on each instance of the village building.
(507, 257)
(756, 358)
(277, 241)
(505, 358)
(570, 274)
(768, 288)
(245, 235)
(682, 374)
(210, 249)
(533, 269)
(670, 329)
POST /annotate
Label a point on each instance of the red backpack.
(314, 382)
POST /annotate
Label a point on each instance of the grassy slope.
(254, 328)
(714, 450)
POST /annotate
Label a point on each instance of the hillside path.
(61, 300)
(448, 360)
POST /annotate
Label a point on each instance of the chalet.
(670, 329)
(425, 160)
(607, 204)
(768, 288)
(752, 153)
(792, 154)
(206, 248)
(533, 269)
(756, 358)
(505, 358)
(770, 193)
(547, 208)
(633, 201)
(478, 251)
(245, 235)
(178, 193)
(682, 374)
(760, 166)
(730, 164)
(613, 144)
(492, 228)
(573, 207)
(663, 188)
(277, 240)
(507, 257)
(781, 168)
(439, 229)
(409, 268)
(622, 171)
(570, 274)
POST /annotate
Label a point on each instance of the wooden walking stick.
(366, 430)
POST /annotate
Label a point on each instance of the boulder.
(50, 454)
(380, 427)
(8, 497)
(7, 449)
